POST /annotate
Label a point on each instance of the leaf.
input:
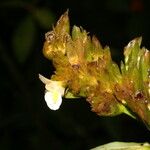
(23, 39)
(123, 146)
(44, 17)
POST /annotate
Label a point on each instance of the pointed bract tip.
(66, 12)
(63, 24)
(137, 40)
(96, 42)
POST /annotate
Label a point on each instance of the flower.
(53, 93)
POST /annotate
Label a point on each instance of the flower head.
(53, 93)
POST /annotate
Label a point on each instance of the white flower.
(54, 92)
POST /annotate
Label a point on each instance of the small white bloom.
(53, 99)
(54, 92)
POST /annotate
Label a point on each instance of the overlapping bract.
(87, 70)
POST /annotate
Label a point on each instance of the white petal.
(53, 99)
(43, 79)
(55, 85)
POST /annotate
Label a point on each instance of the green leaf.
(123, 146)
(44, 17)
(23, 39)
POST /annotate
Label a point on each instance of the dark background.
(25, 120)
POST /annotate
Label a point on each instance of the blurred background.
(25, 120)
